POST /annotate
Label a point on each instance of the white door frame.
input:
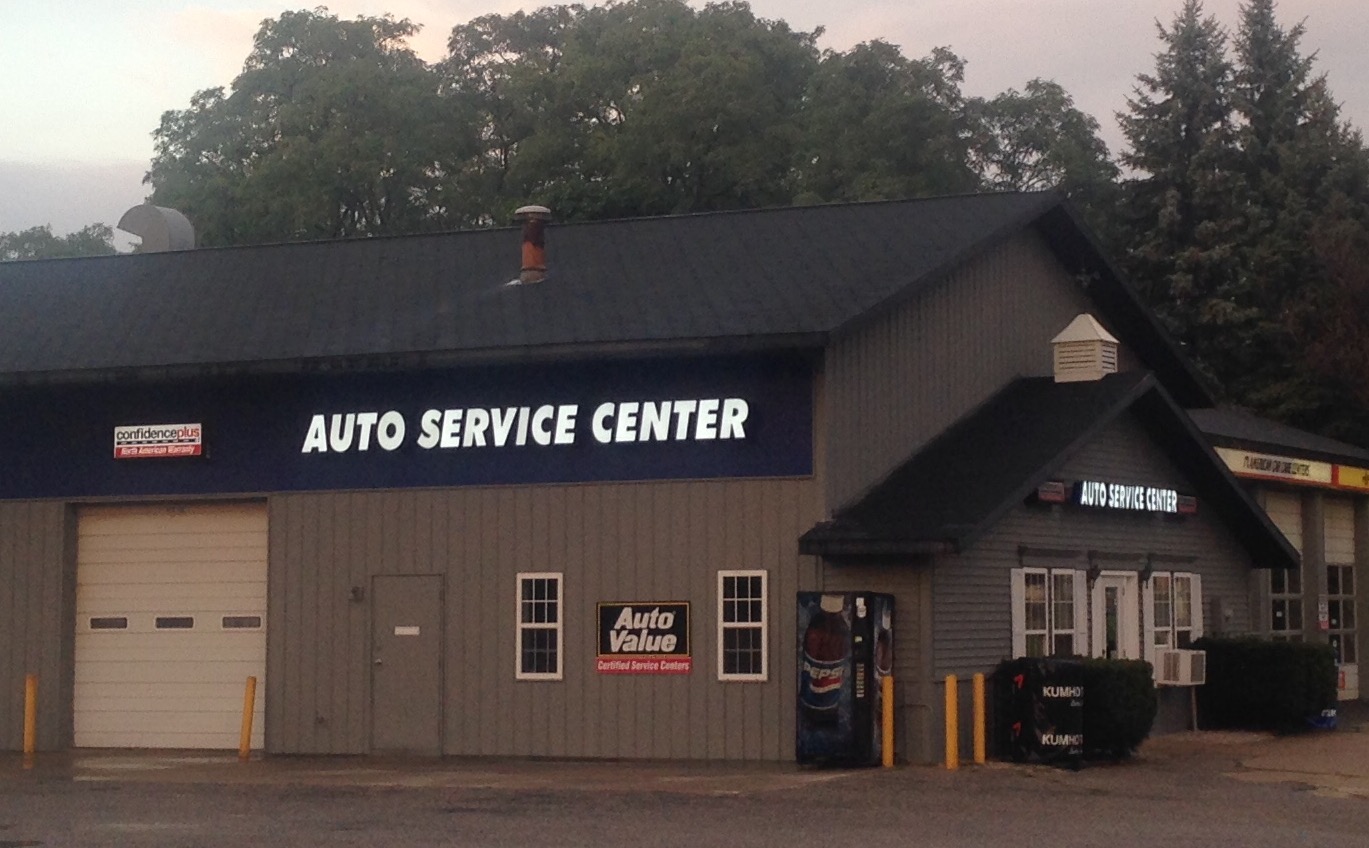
(1128, 587)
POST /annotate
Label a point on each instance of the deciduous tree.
(40, 243)
(333, 128)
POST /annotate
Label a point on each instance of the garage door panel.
(170, 730)
(171, 518)
(206, 651)
(119, 548)
(105, 697)
(168, 688)
(157, 672)
(244, 602)
(151, 573)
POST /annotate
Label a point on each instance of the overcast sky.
(83, 83)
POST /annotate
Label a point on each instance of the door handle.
(378, 661)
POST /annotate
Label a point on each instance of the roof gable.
(991, 460)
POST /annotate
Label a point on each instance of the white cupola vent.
(1084, 351)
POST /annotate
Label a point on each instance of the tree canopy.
(1240, 213)
(40, 243)
(641, 107)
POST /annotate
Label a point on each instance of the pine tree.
(1183, 248)
(1300, 167)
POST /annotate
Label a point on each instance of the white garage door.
(170, 623)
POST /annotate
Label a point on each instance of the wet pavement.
(1202, 788)
(1335, 762)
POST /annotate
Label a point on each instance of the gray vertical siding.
(37, 630)
(910, 583)
(613, 542)
(908, 375)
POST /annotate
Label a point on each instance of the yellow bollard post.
(30, 719)
(249, 701)
(887, 721)
(980, 734)
(952, 723)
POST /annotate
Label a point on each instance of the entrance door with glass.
(1116, 616)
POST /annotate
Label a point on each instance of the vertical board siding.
(612, 542)
(972, 607)
(907, 376)
(37, 620)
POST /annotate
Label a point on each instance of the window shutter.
(1081, 614)
(1196, 599)
(1019, 613)
(1148, 619)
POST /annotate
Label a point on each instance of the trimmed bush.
(1254, 684)
(1120, 703)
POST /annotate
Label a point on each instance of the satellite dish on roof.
(159, 227)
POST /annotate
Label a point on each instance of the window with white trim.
(539, 626)
(1049, 612)
(1174, 609)
(742, 625)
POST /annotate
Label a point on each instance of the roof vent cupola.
(1084, 351)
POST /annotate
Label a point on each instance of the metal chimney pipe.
(534, 219)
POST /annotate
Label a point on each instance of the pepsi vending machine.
(845, 650)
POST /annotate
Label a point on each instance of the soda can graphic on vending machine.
(845, 648)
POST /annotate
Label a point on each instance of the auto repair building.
(435, 511)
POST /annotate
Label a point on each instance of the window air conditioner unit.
(1180, 668)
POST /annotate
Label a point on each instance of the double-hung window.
(539, 626)
(742, 633)
(1173, 610)
(1049, 612)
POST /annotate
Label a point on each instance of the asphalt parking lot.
(1187, 789)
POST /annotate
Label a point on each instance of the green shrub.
(1120, 703)
(1256, 684)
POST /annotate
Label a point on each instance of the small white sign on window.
(406, 630)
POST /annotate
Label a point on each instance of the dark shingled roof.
(1239, 429)
(778, 278)
(963, 482)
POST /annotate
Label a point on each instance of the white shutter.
(1019, 613)
(1196, 599)
(1081, 614)
(1148, 619)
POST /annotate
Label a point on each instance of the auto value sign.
(644, 638)
(141, 441)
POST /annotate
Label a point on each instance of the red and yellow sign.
(1265, 466)
(1287, 469)
(1355, 479)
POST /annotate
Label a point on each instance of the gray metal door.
(406, 664)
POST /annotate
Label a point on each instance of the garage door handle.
(378, 661)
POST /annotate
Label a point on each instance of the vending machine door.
(843, 639)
